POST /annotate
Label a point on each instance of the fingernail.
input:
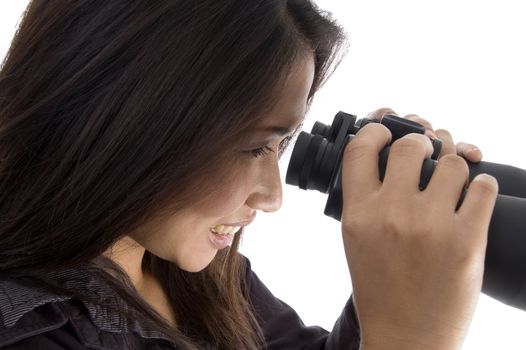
(474, 149)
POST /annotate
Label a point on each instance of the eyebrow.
(280, 130)
(277, 130)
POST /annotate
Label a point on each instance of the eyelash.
(264, 151)
(261, 151)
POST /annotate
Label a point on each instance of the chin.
(195, 263)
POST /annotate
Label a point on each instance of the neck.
(128, 254)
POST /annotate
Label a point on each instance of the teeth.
(225, 230)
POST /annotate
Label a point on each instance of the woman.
(138, 138)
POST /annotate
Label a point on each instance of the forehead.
(291, 106)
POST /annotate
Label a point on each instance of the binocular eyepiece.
(315, 164)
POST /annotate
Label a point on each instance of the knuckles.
(487, 184)
(356, 150)
(443, 132)
(454, 162)
(410, 145)
(368, 139)
(374, 128)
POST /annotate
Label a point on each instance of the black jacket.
(34, 319)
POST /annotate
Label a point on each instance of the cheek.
(226, 192)
(227, 200)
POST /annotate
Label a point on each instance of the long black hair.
(112, 113)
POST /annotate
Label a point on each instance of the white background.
(458, 64)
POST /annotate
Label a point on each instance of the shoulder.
(52, 340)
(26, 311)
(45, 327)
(31, 318)
(63, 325)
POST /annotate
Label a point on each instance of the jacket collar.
(17, 299)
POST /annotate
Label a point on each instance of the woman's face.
(186, 238)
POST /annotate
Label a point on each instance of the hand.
(416, 264)
(465, 150)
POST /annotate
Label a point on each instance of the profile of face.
(186, 238)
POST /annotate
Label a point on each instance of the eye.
(261, 151)
(265, 150)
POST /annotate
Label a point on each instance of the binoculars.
(315, 164)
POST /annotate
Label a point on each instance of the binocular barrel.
(315, 164)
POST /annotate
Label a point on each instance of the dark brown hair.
(113, 113)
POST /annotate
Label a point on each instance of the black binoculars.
(315, 164)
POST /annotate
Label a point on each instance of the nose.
(267, 193)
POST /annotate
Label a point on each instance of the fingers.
(448, 145)
(479, 202)
(425, 123)
(469, 151)
(404, 164)
(448, 180)
(379, 114)
(360, 161)
(465, 150)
